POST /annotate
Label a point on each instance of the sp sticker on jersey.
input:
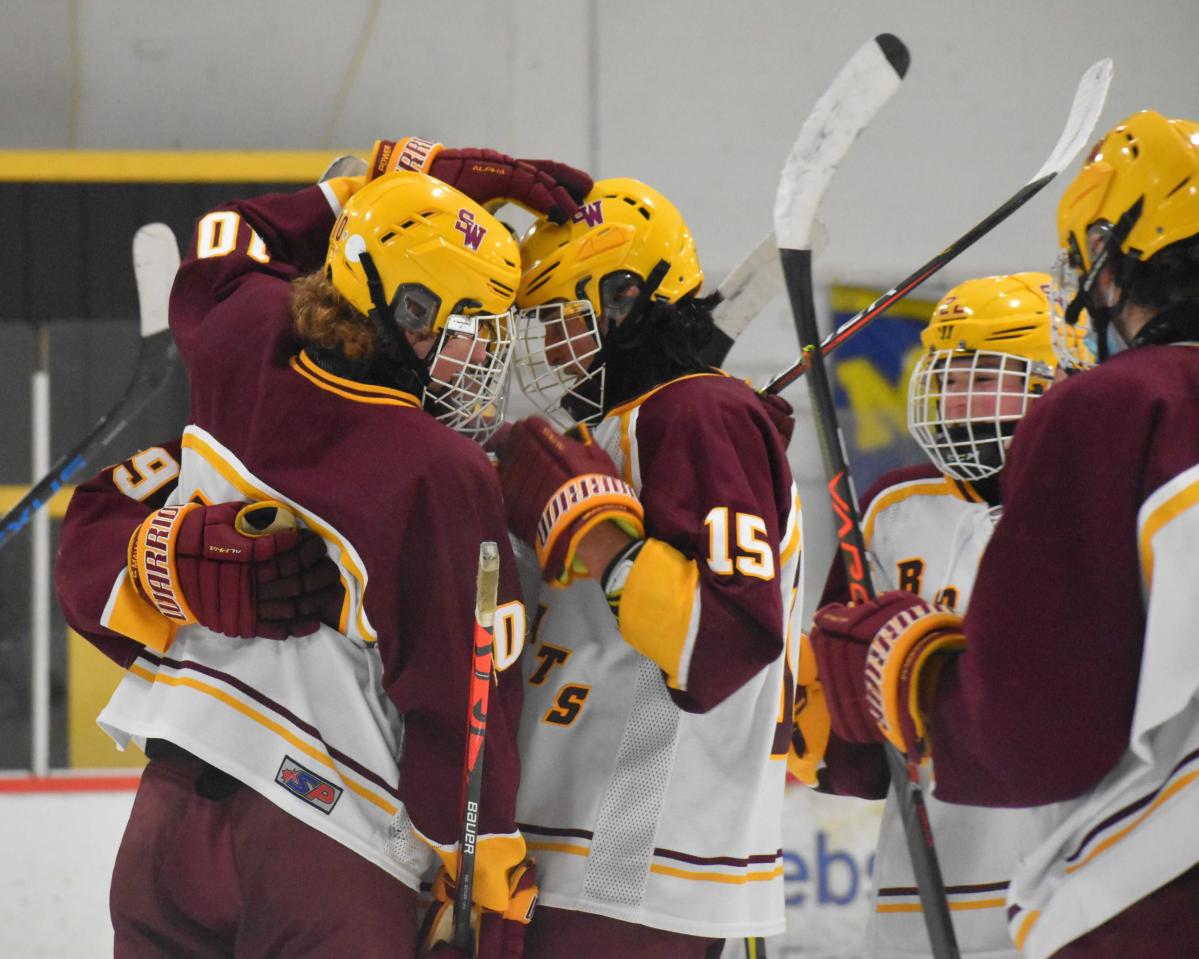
(313, 789)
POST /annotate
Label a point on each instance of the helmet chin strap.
(1102, 314)
(396, 346)
(593, 392)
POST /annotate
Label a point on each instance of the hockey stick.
(486, 587)
(747, 291)
(856, 95)
(155, 261)
(1084, 113)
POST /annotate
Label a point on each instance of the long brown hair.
(323, 317)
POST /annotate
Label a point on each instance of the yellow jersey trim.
(694, 876)
(350, 389)
(165, 166)
(1171, 509)
(253, 493)
(277, 728)
(929, 487)
(953, 906)
(658, 607)
(637, 401)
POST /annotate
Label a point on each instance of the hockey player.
(987, 357)
(298, 790)
(657, 699)
(1072, 681)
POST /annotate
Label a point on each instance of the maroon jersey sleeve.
(860, 769)
(102, 515)
(279, 236)
(703, 598)
(1039, 706)
(427, 645)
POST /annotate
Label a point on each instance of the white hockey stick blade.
(345, 165)
(865, 83)
(754, 282)
(1084, 114)
(155, 263)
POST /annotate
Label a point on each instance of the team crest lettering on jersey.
(313, 789)
(471, 230)
(592, 212)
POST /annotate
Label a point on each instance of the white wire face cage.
(556, 345)
(964, 406)
(468, 373)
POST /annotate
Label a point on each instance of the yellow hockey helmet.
(1147, 159)
(436, 253)
(988, 353)
(440, 266)
(622, 227)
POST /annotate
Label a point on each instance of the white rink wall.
(58, 850)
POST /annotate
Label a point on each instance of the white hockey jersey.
(304, 722)
(635, 808)
(927, 535)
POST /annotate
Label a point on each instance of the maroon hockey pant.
(208, 867)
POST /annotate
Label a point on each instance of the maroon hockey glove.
(498, 935)
(557, 489)
(879, 662)
(541, 186)
(573, 180)
(238, 569)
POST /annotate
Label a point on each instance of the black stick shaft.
(156, 360)
(797, 272)
(909, 283)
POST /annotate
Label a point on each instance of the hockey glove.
(497, 935)
(238, 569)
(810, 732)
(557, 489)
(880, 661)
(540, 186)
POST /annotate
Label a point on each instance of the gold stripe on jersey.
(563, 847)
(350, 389)
(736, 880)
(659, 609)
(954, 905)
(930, 487)
(794, 536)
(278, 729)
(193, 441)
(638, 400)
(1026, 924)
(1168, 793)
(1175, 504)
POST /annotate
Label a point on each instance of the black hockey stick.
(1084, 113)
(486, 587)
(859, 91)
(155, 261)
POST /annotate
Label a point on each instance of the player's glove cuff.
(575, 509)
(151, 563)
(409, 153)
(903, 665)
